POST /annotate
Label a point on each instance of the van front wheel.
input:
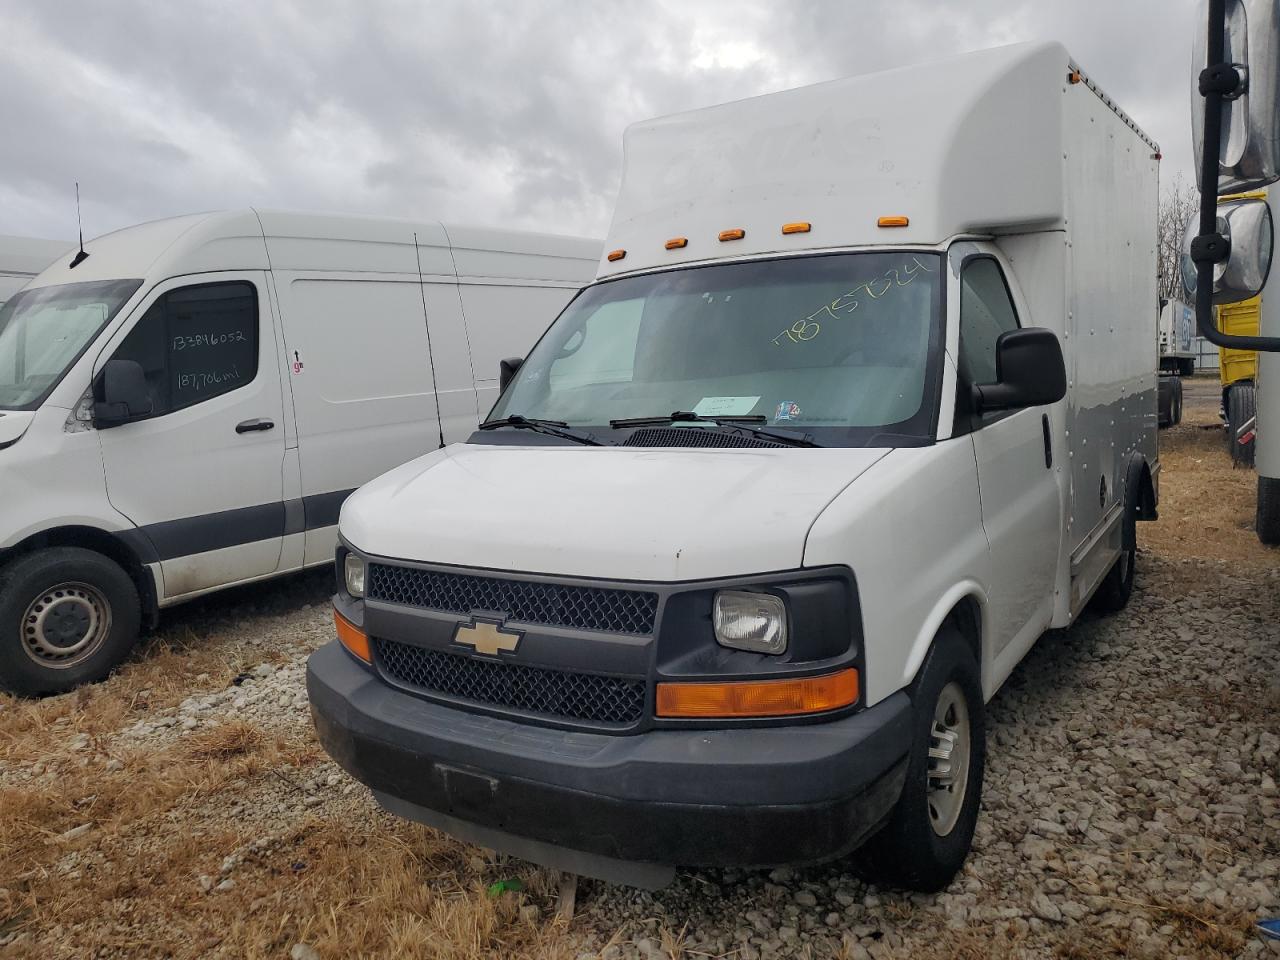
(67, 617)
(930, 832)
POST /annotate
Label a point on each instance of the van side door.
(361, 354)
(1020, 494)
(202, 475)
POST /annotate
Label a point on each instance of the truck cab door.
(201, 474)
(1020, 495)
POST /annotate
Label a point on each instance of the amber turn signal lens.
(759, 698)
(732, 235)
(675, 243)
(352, 637)
(893, 222)
(800, 226)
(616, 255)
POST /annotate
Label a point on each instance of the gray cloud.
(502, 112)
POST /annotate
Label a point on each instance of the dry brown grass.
(1206, 507)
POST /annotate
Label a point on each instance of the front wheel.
(67, 617)
(930, 831)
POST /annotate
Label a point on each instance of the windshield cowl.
(814, 350)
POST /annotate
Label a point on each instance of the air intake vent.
(693, 437)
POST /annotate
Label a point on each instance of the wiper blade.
(792, 438)
(552, 428)
(682, 416)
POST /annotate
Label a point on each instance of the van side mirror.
(1029, 372)
(1249, 154)
(507, 369)
(1249, 232)
(120, 394)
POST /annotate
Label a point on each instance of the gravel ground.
(1130, 807)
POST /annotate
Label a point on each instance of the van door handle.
(1048, 442)
(249, 426)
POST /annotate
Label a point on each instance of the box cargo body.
(862, 401)
(187, 406)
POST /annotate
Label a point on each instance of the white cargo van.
(778, 502)
(186, 407)
(21, 258)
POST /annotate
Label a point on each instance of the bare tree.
(1181, 199)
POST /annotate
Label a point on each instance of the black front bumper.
(739, 797)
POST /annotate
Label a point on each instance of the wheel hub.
(65, 624)
(949, 747)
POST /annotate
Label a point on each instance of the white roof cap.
(970, 144)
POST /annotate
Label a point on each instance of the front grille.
(554, 693)
(552, 604)
(693, 437)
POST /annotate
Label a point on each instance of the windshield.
(842, 345)
(43, 331)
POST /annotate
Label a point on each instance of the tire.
(1177, 402)
(1164, 402)
(1113, 593)
(1242, 405)
(67, 617)
(1267, 520)
(930, 831)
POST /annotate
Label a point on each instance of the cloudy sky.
(487, 111)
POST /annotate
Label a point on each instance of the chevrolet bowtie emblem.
(487, 637)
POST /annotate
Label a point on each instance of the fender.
(1140, 499)
(943, 608)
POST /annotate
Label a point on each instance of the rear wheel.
(1177, 401)
(1116, 588)
(67, 617)
(929, 834)
(1242, 406)
(1267, 520)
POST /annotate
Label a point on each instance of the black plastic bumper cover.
(740, 797)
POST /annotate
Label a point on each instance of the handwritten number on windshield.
(843, 306)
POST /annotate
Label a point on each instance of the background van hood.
(612, 512)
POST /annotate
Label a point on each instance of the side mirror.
(507, 369)
(1249, 155)
(1249, 231)
(1029, 371)
(121, 394)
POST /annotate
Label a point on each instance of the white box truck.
(186, 407)
(1175, 328)
(861, 403)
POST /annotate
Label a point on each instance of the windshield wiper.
(794, 439)
(552, 428)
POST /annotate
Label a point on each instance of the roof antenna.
(435, 384)
(80, 257)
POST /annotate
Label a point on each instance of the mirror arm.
(1219, 80)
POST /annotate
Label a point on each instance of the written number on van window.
(206, 379)
(844, 305)
(208, 340)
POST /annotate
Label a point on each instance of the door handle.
(250, 426)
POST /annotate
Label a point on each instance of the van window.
(985, 312)
(196, 343)
(844, 344)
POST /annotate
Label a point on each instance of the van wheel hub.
(949, 745)
(65, 624)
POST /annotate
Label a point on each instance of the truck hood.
(13, 424)
(611, 512)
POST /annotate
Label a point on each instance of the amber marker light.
(732, 235)
(675, 243)
(893, 222)
(800, 226)
(758, 698)
(352, 637)
(616, 255)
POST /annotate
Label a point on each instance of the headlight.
(353, 568)
(750, 621)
